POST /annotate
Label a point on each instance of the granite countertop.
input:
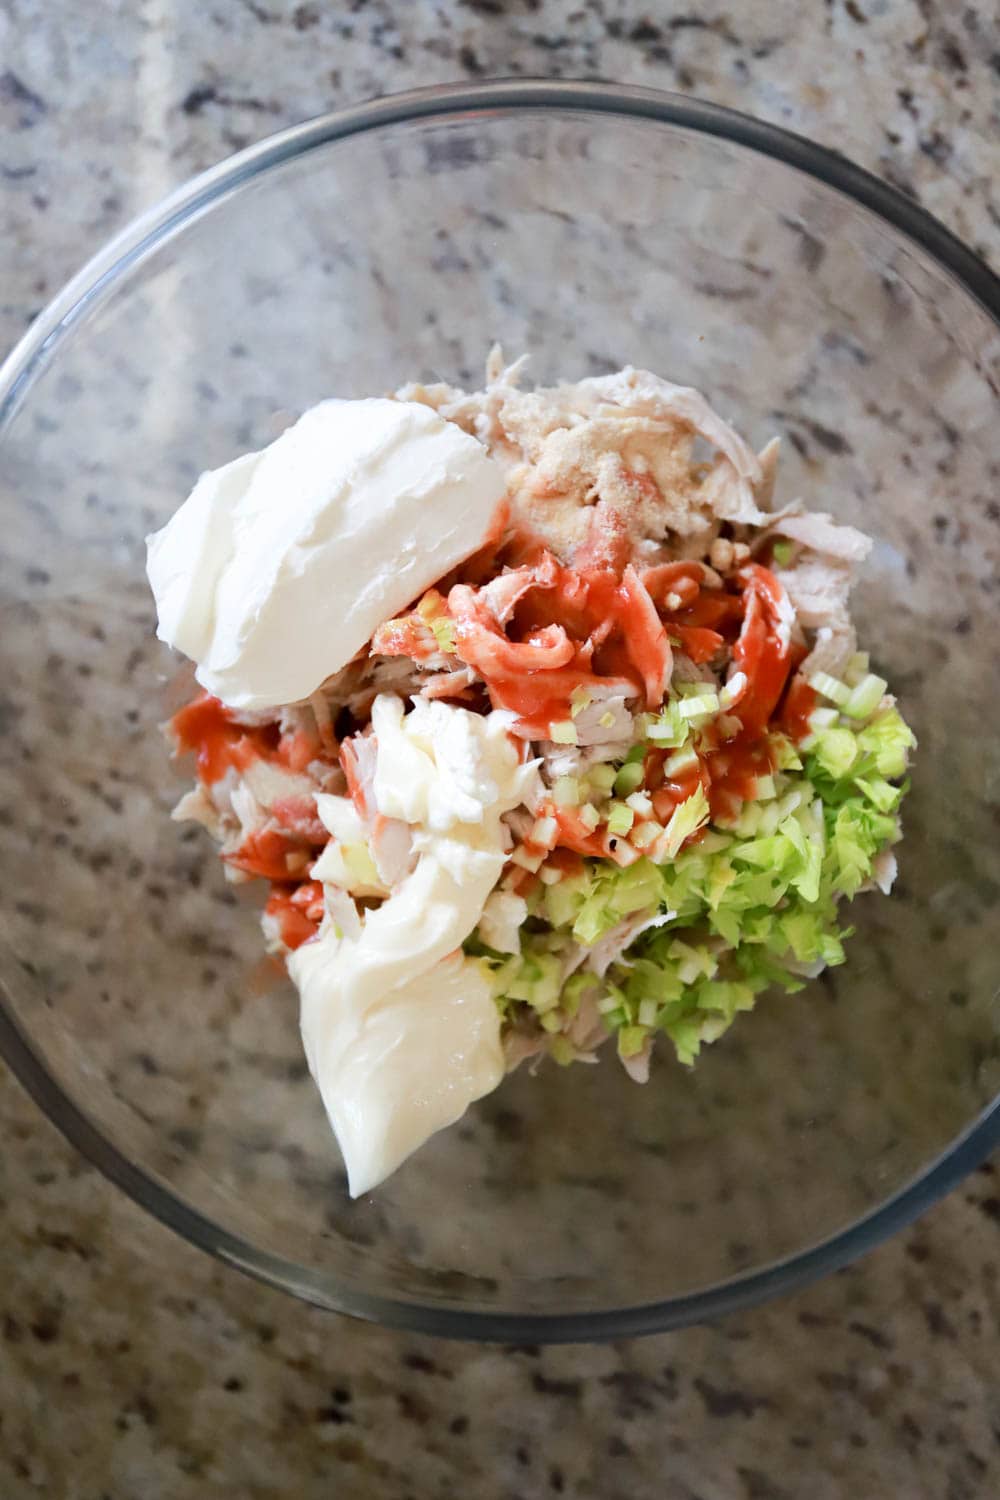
(133, 1366)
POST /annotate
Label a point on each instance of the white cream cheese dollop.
(279, 566)
(400, 1029)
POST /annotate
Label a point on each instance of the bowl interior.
(404, 252)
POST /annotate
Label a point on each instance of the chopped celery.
(631, 1040)
(711, 842)
(720, 879)
(647, 1011)
(638, 886)
(772, 852)
(731, 691)
(544, 832)
(360, 865)
(685, 759)
(686, 1037)
(836, 751)
(702, 705)
(520, 986)
(566, 792)
(851, 850)
(793, 831)
(888, 738)
(882, 793)
(563, 732)
(620, 818)
(734, 913)
(545, 982)
(784, 754)
(669, 728)
(563, 901)
(444, 634)
(807, 879)
(593, 920)
(727, 924)
(727, 996)
(692, 963)
(748, 822)
(562, 1051)
(646, 834)
(866, 697)
(573, 993)
(830, 687)
(857, 666)
(770, 817)
(629, 777)
(686, 819)
(660, 732)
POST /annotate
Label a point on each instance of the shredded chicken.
(501, 921)
(610, 948)
(520, 1043)
(817, 531)
(587, 1031)
(818, 587)
(637, 1064)
(624, 441)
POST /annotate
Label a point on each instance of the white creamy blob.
(400, 1028)
(279, 566)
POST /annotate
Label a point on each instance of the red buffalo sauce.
(565, 630)
(270, 854)
(800, 700)
(280, 854)
(219, 742)
(760, 651)
(207, 727)
(569, 630)
(298, 911)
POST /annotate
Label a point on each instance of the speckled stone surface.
(130, 1365)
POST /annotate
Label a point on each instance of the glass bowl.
(594, 227)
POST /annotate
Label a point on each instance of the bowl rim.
(92, 285)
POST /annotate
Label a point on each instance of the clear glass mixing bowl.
(593, 227)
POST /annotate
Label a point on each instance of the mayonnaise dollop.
(279, 566)
(400, 1029)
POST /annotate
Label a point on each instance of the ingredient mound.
(604, 781)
